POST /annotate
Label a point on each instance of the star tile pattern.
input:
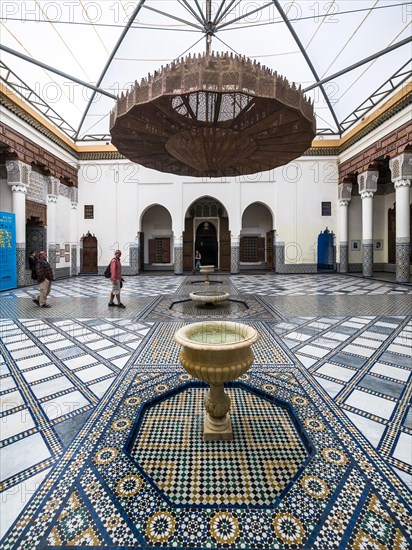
(76, 378)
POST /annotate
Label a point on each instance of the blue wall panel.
(8, 270)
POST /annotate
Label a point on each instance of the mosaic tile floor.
(84, 463)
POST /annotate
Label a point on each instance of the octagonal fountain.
(208, 297)
(216, 352)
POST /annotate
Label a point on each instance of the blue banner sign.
(8, 271)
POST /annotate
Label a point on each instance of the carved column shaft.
(344, 194)
(401, 168)
(178, 255)
(368, 184)
(234, 254)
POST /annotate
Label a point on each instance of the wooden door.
(89, 254)
(269, 250)
(225, 251)
(392, 235)
(141, 253)
(188, 260)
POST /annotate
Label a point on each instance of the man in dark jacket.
(33, 261)
(45, 277)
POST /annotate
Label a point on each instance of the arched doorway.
(88, 254)
(36, 236)
(207, 228)
(156, 239)
(256, 238)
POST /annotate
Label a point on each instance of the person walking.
(33, 261)
(45, 277)
(198, 257)
(116, 278)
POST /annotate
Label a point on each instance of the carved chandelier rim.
(213, 115)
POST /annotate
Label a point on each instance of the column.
(368, 183)
(74, 238)
(401, 168)
(234, 254)
(344, 196)
(280, 257)
(18, 174)
(52, 196)
(178, 254)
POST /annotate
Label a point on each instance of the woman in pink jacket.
(116, 278)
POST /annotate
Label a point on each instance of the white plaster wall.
(121, 192)
(355, 229)
(112, 188)
(63, 226)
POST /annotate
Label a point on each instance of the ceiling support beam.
(56, 71)
(309, 62)
(359, 63)
(109, 61)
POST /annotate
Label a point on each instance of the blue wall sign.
(8, 270)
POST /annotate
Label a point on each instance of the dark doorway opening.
(206, 243)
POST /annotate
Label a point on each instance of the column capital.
(401, 167)
(74, 205)
(18, 175)
(368, 182)
(366, 194)
(343, 202)
(52, 199)
(18, 188)
(402, 183)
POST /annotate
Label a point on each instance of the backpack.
(107, 273)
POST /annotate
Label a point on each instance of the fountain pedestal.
(216, 352)
(206, 270)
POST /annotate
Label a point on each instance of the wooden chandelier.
(213, 116)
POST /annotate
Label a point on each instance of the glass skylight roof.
(111, 43)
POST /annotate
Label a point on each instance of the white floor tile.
(33, 362)
(332, 388)
(335, 371)
(99, 389)
(393, 372)
(358, 350)
(42, 372)
(23, 454)
(80, 361)
(403, 449)
(51, 386)
(10, 401)
(369, 428)
(15, 423)
(15, 499)
(371, 403)
(92, 373)
(315, 351)
(59, 406)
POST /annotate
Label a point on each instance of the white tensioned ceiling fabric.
(97, 42)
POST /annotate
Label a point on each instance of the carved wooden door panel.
(269, 250)
(392, 235)
(188, 260)
(89, 254)
(225, 252)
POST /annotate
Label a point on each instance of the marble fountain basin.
(216, 352)
(207, 297)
